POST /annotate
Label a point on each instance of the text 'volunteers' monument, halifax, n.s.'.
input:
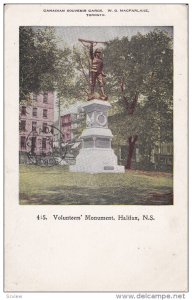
(96, 154)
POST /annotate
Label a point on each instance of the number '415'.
(41, 217)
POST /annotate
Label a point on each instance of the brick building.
(36, 118)
(66, 127)
(72, 123)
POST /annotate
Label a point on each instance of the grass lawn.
(56, 186)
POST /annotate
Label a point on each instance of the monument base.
(96, 160)
(96, 155)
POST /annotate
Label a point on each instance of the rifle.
(92, 42)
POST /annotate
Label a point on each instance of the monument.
(96, 154)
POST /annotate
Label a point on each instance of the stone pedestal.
(96, 155)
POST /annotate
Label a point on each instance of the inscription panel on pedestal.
(88, 143)
(102, 143)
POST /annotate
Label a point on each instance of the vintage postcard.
(96, 103)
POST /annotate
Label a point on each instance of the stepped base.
(96, 160)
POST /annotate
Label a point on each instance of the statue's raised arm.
(96, 73)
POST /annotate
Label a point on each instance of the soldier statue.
(96, 73)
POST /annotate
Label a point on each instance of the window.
(65, 119)
(23, 111)
(45, 113)
(45, 97)
(68, 136)
(23, 142)
(34, 112)
(34, 97)
(33, 144)
(34, 126)
(44, 127)
(22, 125)
(50, 140)
(68, 118)
(44, 143)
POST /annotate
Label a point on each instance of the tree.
(81, 63)
(142, 72)
(43, 65)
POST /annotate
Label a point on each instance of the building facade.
(71, 125)
(66, 128)
(36, 118)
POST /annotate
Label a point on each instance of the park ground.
(57, 186)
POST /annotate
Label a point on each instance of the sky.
(71, 34)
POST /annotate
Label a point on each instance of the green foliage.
(43, 66)
(142, 66)
(27, 60)
(81, 65)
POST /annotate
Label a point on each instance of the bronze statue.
(96, 73)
